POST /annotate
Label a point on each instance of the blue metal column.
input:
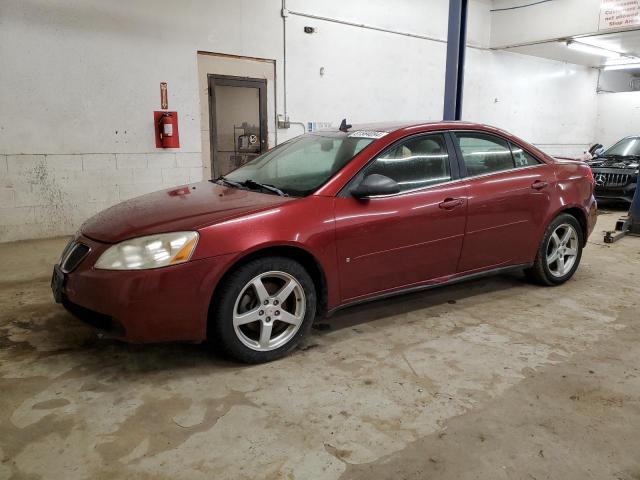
(456, 44)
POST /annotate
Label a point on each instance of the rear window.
(522, 158)
(484, 153)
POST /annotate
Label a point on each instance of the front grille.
(616, 179)
(73, 255)
(610, 178)
(67, 249)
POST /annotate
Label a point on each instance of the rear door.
(509, 193)
(400, 240)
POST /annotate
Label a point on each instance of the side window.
(415, 163)
(483, 153)
(522, 158)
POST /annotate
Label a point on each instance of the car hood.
(183, 208)
(614, 162)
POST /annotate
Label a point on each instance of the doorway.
(238, 120)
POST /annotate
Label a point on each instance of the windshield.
(627, 147)
(301, 165)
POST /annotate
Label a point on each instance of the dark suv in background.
(616, 170)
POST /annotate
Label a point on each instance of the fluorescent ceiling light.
(590, 49)
(603, 41)
(622, 66)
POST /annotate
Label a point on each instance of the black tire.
(221, 331)
(540, 272)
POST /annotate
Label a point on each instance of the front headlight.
(153, 251)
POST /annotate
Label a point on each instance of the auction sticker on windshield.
(367, 134)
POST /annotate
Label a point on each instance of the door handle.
(450, 203)
(539, 185)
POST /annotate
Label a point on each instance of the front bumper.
(158, 305)
(616, 184)
(625, 195)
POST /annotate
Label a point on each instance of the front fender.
(307, 225)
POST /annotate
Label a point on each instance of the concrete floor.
(494, 379)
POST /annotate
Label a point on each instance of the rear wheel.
(560, 252)
(263, 309)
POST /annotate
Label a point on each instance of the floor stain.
(494, 378)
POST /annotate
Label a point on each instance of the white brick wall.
(190, 160)
(49, 195)
(131, 160)
(98, 161)
(164, 160)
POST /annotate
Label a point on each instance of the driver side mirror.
(375, 184)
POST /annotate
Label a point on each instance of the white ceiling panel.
(626, 43)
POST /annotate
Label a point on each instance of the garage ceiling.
(623, 42)
(627, 43)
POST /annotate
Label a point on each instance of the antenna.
(344, 126)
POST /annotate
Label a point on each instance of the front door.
(238, 110)
(398, 241)
(509, 190)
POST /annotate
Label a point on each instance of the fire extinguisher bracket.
(166, 129)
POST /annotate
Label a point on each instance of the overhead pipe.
(374, 28)
(285, 13)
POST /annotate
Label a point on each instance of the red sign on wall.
(619, 14)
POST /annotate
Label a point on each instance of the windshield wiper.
(253, 184)
(226, 181)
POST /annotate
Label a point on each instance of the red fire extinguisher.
(167, 125)
(167, 134)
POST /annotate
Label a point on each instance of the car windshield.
(301, 165)
(627, 147)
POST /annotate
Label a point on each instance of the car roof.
(399, 129)
(402, 125)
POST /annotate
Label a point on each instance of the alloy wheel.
(562, 250)
(269, 311)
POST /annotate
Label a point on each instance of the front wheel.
(560, 252)
(263, 309)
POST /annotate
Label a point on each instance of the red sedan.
(323, 221)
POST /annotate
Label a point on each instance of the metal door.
(238, 119)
